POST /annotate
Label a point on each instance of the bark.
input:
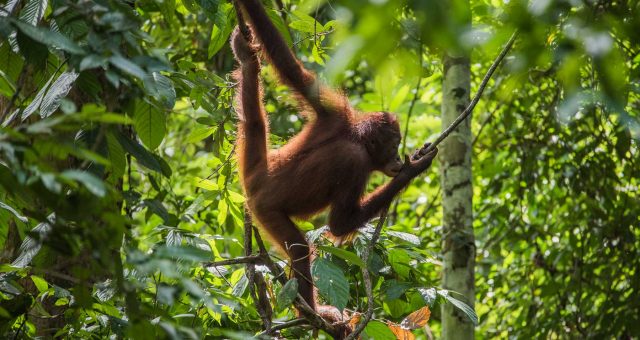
(455, 159)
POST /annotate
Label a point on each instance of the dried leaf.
(399, 332)
(417, 319)
(355, 319)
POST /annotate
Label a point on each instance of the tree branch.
(238, 260)
(477, 96)
(367, 279)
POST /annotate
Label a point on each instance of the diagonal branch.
(477, 96)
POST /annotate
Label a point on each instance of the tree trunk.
(455, 161)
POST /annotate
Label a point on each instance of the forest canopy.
(122, 212)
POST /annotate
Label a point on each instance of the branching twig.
(476, 98)
(256, 281)
(383, 215)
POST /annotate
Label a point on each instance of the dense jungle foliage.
(119, 184)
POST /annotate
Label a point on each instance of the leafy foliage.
(119, 187)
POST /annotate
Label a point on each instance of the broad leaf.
(344, 254)
(91, 182)
(466, 309)
(47, 37)
(288, 293)
(331, 282)
(150, 124)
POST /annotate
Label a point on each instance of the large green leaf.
(344, 254)
(221, 30)
(33, 12)
(116, 156)
(161, 88)
(144, 157)
(331, 282)
(288, 293)
(91, 182)
(10, 68)
(150, 124)
(47, 37)
(128, 66)
(377, 330)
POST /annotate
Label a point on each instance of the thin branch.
(416, 91)
(238, 260)
(367, 278)
(476, 98)
(256, 281)
(284, 325)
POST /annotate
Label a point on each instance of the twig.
(256, 282)
(238, 260)
(367, 279)
(477, 96)
(288, 324)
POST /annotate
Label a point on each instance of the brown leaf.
(399, 332)
(416, 319)
(355, 318)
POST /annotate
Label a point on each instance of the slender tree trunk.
(455, 158)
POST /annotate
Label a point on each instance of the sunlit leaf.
(417, 319)
(150, 124)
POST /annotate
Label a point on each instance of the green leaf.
(161, 88)
(15, 213)
(466, 309)
(204, 183)
(240, 286)
(158, 208)
(200, 134)
(33, 12)
(378, 331)
(393, 289)
(143, 156)
(10, 68)
(221, 30)
(49, 97)
(399, 260)
(413, 239)
(116, 156)
(344, 254)
(93, 61)
(185, 252)
(304, 23)
(41, 284)
(47, 37)
(128, 66)
(31, 246)
(331, 282)
(222, 211)
(91, 182)
(287, 294)
(150, 124)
